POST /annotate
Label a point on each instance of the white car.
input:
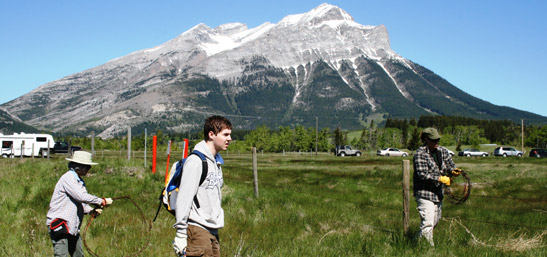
(472, 152)
(391, 152)
(507, 151)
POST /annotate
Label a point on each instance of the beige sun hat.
(82, 157)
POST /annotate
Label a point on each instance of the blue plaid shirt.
(427, 173)
(70, 201)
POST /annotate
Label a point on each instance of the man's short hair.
(216, 124)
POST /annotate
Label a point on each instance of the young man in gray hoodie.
(198, 221)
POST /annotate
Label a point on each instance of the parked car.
(391, 152)
(472, 152)
(450, 152)
(62, 147)
(537, 152)
(343, 150)
(507, 151)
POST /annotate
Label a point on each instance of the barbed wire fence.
(269, 185)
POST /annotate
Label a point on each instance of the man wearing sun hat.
(69, 202)
(433, 167)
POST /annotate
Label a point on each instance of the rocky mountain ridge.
(316, 64)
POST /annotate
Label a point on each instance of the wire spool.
(148, 231)
(458, 193)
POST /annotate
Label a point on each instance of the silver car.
(472, 152)
(391, 152)
(507, 151)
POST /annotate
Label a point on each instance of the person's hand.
(107, 201)
(445, 180)
(456, 172)
(179, 244)
(96, 212)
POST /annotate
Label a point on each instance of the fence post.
(145, 138)
(154, 148)
(93, 143)
(22, 148)
(255, 172)
(185, 148)
(168, 156)
(406, 195)
(69, 150)
(128, 143)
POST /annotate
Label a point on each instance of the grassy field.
(308, 206)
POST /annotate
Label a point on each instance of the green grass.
(307, 206)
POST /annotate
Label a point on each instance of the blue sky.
(494, 50)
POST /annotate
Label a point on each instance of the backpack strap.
(202, 178)
(204, 172)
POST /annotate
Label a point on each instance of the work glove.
(107, 201)
(445, 180)
(179, 244)
(456, 172)
(96, 212)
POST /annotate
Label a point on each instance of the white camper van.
(25, 145)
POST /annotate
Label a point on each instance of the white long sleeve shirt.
(70, 201)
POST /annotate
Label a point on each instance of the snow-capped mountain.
(316, 64)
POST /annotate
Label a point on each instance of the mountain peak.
(329, 12)
(322, 13)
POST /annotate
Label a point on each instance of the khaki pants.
(201, 242)
(430, 214)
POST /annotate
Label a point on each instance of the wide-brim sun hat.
(82, 157)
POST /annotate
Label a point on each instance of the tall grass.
(307, 206)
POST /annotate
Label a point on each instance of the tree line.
(398, 133)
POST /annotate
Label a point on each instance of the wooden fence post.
(255, 172)
(406, 195)
(93, 143)
(129, 143)
(69, 150)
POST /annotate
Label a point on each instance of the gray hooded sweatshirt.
(210, 214)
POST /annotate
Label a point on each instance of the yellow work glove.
(445, 180)
(456, 172)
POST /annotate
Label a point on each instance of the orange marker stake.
(154, 145)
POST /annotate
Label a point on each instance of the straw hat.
(82, 157)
